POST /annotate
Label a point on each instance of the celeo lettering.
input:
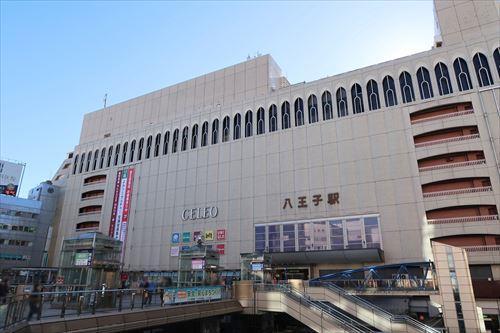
(199, 213)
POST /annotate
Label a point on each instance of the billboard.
(121, 205)
(10, 176)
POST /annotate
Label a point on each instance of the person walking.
(35, 301)
(4, 291)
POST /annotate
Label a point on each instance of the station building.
(357, 169)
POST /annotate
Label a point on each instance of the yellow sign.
(209, 235)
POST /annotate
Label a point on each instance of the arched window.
(132, 152)
(225, 129)
(110, 156)
(184, 141)
(117, 154)
(299, 112)
(312, 108)
(341, 95)
(406, 87)
(285, 115)
(389, 91)
(260, 121)
(496, 56)
(124, 153)
(89, 158)
(462, 74)
(357, 99)
(149, 143)
(237, 127)
(273, 118)
(175, 140)
(103, 156)
(482, 70)
(248, 123)
(372, 92)
(96, 155)
(82, 162)
(204, 134)
(443, 79)
(194, 136)
(424, 83)
(141, 147)
(166, 140)
(215, 131)
(75, 164)
(157, 144)
(326, 103)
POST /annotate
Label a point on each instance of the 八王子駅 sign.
(199, 213)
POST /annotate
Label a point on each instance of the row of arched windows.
(113, 156)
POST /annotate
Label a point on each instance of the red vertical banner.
(115, 204)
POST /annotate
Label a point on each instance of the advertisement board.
(193, 294)
(10, 176)
(121, 205)
(174, 251)
(197, 263)
(83, 258)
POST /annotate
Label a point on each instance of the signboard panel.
(10, 176)
(174, 251)
(83, 258)
(197, 263)
(185, 295)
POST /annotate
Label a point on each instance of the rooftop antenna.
(105, 99)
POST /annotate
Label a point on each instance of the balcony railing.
(451, 165)
(482, 248)
(442, 116)
(93, 197)
(447, 140)
(464, 219)
(458, 191)
(100, 181)
(90, 213)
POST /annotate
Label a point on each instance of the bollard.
(132, 300)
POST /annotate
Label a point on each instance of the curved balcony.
(94, 194)
(458, 191)
(464, 219)
(97, 179)
(442, 116)
(447, 140)
(89, 210)
(452, 165)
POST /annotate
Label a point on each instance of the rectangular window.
(372, 232)
(289, 238)
(354, 234)
(274, 238)
(304, 236)
(336, 235)
(260, 239)
(320, 240)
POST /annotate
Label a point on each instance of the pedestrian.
(4, 291)
(151, 288)
(35, 301)
(145, 288)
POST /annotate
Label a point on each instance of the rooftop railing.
(442, 116)
(458, 191)
(482, 248)
(452, 165)
(447, 140)
(464, 219)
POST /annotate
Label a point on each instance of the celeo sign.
(199, 213)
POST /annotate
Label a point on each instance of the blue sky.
(58, 58)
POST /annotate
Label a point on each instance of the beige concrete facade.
(369, 158)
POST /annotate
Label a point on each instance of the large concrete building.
(361, 168)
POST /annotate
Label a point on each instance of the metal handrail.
(384, 313)
(458, 191)
(452, 139)
(452, 165)
(443, 116)
(302, 298)
(463, 219)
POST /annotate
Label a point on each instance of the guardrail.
(62, 304)
(410, 284)
(304, 300)
(482, 248)
(447, 140)
(452, 165)
(379, 311)
(442, 116)
(458, 191)
(464, 219)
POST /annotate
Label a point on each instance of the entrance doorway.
(292, 273)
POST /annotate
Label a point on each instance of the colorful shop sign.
(186, 237)
(209, 235)
(176, 237)
(196, 236)
(221, 234)
(174, 251)
(221, 248)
